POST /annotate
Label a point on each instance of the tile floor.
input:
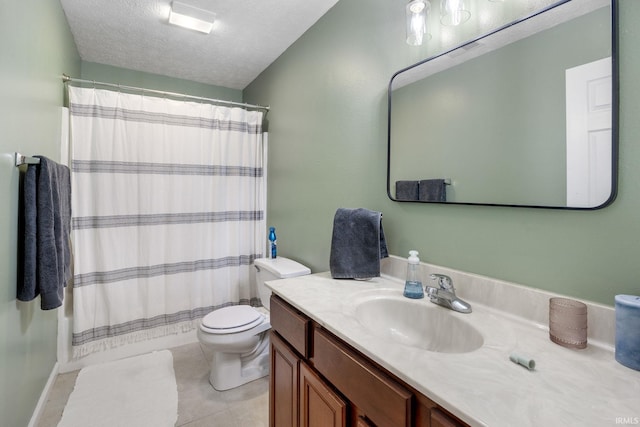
(199, 405)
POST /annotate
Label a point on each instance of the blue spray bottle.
(272, 242)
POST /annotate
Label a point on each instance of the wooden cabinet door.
(283, 384)
(319, 405)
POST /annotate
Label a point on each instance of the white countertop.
(483, 387)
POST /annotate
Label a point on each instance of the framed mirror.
(523, 116)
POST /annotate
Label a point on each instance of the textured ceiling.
(248, 36)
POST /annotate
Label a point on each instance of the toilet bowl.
(238, 335)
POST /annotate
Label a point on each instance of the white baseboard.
(44, 396)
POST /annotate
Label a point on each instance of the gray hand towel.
(47, 224)
(357, 244)
(432, 190)
(407, 190)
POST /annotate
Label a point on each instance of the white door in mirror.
(589, 124)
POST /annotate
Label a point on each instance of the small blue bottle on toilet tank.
(272, 242)
(413, 284)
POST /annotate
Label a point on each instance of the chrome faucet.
(445, 294)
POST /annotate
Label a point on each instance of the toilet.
(239, 335)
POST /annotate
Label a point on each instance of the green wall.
(36, 47)
(122, 76)
(327, 145)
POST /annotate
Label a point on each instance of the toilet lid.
(228, 320)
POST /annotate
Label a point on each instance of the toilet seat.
(230, 320)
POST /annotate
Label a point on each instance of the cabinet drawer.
(290, 324)
(384, 401)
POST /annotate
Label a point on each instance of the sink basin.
(416, 323)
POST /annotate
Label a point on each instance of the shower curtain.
(168, 213)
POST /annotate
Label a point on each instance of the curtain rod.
(67, 79)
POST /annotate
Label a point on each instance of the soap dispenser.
(413, 285)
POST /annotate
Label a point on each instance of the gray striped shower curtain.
(168, 201)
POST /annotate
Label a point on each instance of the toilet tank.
(273, 269)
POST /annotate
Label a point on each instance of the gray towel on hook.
(432, 190)
(357, 244)
(407, 190)
(47, 224)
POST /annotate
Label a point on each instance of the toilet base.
(231, 370)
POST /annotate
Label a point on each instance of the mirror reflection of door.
(589, 122)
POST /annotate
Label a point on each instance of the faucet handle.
(444, 282)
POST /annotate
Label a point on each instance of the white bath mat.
(138, 391)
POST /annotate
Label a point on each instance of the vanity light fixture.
(454, 12)
(417, 12)
(191, 17)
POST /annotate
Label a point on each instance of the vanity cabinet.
(319, 380)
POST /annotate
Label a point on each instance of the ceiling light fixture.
(191, 17)
(454, 12)
(417, 12)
